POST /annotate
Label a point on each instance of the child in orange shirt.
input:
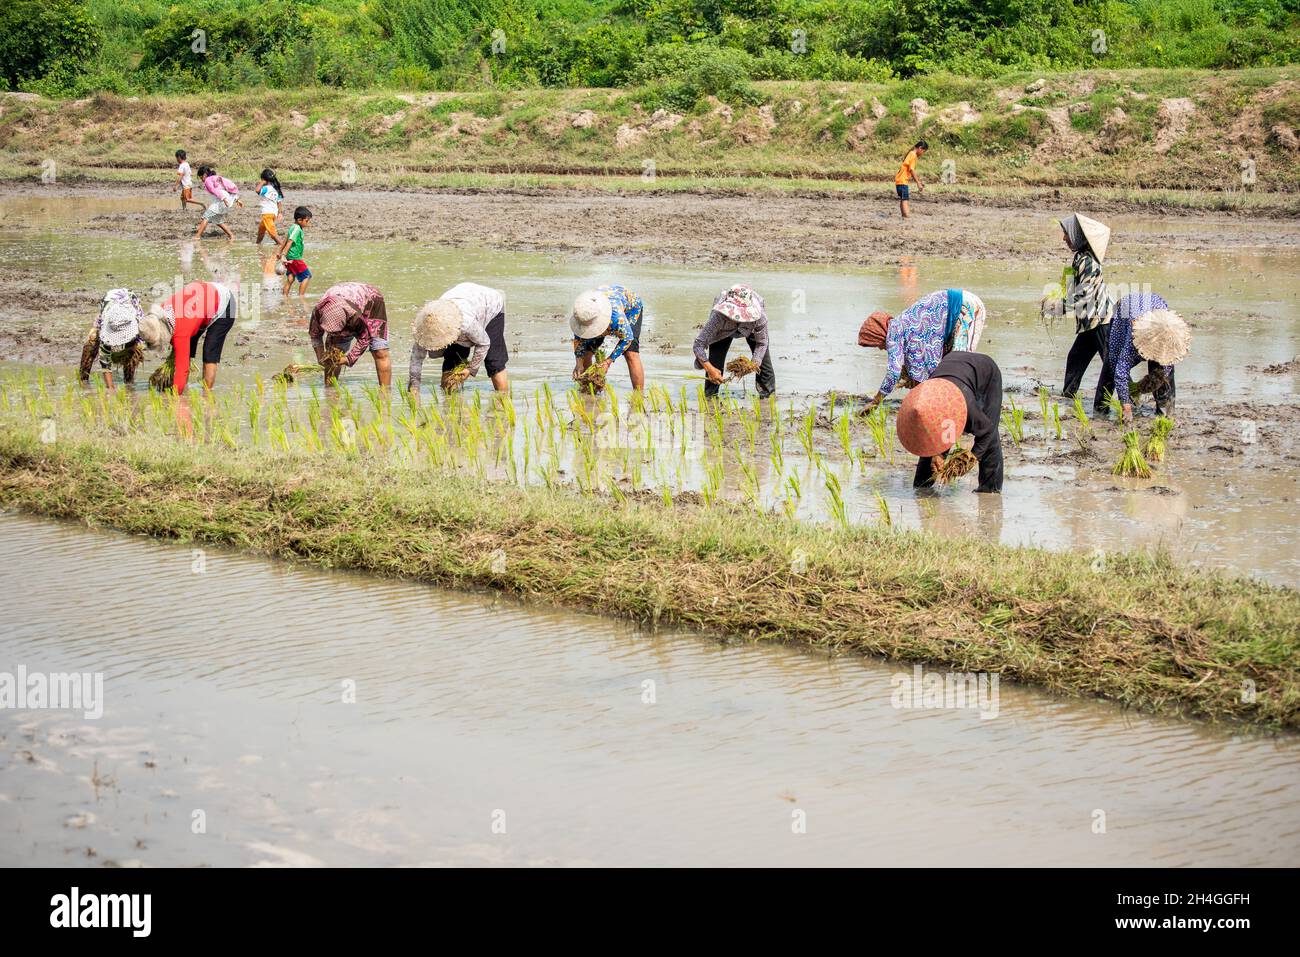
(907, 173)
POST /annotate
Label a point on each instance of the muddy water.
(1220, 501)
(223, 703)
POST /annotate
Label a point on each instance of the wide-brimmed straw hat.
(592, 313)
(437, 324)
(154, 329)
(1162, 336)
(740, 304)
(931, 417)
(119, 321)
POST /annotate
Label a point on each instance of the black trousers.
(1087, 346)
(497, 355)
(764, 379)
(1164, 395)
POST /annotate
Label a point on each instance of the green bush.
(47, 42)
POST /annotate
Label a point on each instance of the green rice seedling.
(837, 507)
(162, 377)
(1131, 463)
(1044, 406)
(1013, 420)
(842, 429)
(1056, 422)
(1113, 404)
(878, 425)
(807, 432)
(1080, 414)
(777, 457)
(792, 482)
(882, 506)
(1155, 446)
(667, 495)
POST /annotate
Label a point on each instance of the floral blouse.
(624, 322)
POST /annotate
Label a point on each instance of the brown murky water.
(223, 703)
(1225, 499)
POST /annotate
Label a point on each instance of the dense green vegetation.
(678, 47)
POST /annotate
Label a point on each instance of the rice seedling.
(881, 434)
(1113, 405)
(842, 430)
(1131, 463)
(1045, 409)
(1155, 446)
(807, 432)
(591, 380)
(1013, 420)
(1080, 415)
(162, 377)
(332, 362)
(740, 367)
(838, 509)
(882, 506)
(958, 462)
(1056, 422)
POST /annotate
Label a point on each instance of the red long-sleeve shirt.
(193, 309)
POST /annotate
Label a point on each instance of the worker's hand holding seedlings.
(610, 310)
(964, 394)
(466, 328)
(352, 314)
(738, 312)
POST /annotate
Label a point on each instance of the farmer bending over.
(963, 394)
(737, 313)
(914, 341)
(201, 310)
(611, 310)
(352, 314)
(467, 324)
(1143, 327)
(121, 333)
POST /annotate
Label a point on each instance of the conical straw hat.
(931, 417)
(592, 313)
(1162, 336)
(437, 324)
(1097, 234)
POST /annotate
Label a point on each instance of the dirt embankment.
(1183, 129)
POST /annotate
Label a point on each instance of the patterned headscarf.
(873, 331)
(740, 304)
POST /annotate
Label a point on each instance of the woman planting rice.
(962, 394)
(121, 333)
(204, 310)
(352, 315)
(1144, 328)
(466, 327)
(1084, 297)
(737, 313)
(611, 310)
(914, 341)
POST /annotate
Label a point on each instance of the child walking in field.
(907, 174)
(185, 181)
(225, 195)
(270, 196)
(291, 252)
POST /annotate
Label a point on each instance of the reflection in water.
(319, 717)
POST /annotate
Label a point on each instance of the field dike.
(1135, 629)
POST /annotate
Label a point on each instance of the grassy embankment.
(1139, 630)
(1157, 137)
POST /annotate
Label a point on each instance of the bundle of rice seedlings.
(1149, 384)
(1155, 447)
(162, 377)
(1132, 464)
(1113, 404)
(954, 465)
(591, 380)
(88, 353)
(290, 373)
(332, 362)
(455, 378)
(133, 359)
(742, 366)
